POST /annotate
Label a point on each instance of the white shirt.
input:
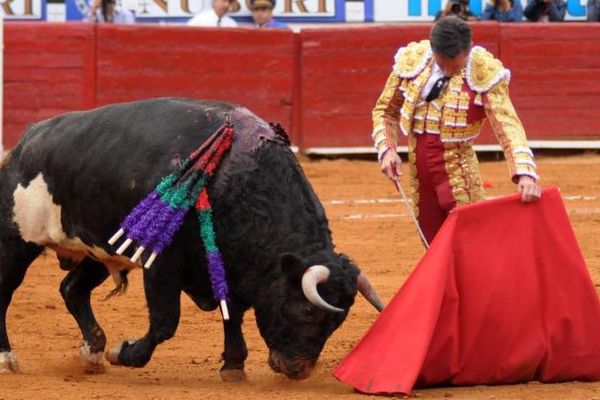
(211, 19)
(436, 73)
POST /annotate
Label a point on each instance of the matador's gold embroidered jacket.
(481, 91)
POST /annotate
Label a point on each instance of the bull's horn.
(313, 276)
(365, 288)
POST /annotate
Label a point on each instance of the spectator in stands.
(215, 16)
(107, 12)
(593, 10)
(545, 10)
(262, 14)
(457, 8)
(503, 11)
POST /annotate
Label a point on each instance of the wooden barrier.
(320, 84)
(250, 67)
(343, 72)
(554, 85)
(48, 69)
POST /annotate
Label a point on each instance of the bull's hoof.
(233, 375)
(8, 363)
(91, 362)
(112, 355)
(94, 369)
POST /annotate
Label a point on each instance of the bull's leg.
(76, 289)
(235, 352)
(15, 257)
(162, 286)
(196, 285)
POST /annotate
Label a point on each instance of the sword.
(408, 207)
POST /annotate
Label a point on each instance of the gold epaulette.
(412, 59)
(484, 70)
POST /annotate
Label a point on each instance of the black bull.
(72, 179)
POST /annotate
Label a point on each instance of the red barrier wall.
(555, 70)
(250, 67)
(341, 71)
(48, 69)
(320, 84)
(54, 68)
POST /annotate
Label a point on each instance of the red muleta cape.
(503, 295)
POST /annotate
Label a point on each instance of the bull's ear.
(291, 265)
(347, 263)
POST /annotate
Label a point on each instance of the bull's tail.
(121, 284)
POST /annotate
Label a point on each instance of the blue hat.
(262, 3)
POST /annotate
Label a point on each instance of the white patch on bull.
(38, 218)
(36, 214)
(8, 363)
(87, 357)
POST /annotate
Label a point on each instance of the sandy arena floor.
(363, 209)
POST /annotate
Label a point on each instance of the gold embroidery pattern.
(412, 170)
(483, 70)
(454, 126)
(411, 60)
(463, 172)
(509, 131)
(411, 98)
(419, 119)
(385, 115)
(434, 115)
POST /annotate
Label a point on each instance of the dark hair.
(104, 7)
(450, 36)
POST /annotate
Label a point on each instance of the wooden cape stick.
(408, 207)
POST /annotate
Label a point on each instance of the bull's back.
(125, 143)
(94, 166)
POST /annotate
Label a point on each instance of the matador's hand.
(390, 164)
(530, 191)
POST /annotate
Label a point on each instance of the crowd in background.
(512, 10)
(106, 11)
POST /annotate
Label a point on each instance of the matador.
(439, 94)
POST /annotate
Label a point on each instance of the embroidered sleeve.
(509, 131)
(386, 116)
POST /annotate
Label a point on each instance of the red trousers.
(435, 198)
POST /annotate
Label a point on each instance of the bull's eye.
(309, 311)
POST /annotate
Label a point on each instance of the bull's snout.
(294, 369)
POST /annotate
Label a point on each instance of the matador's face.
(451, 66)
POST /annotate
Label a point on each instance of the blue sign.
(77, 9)
(425, 10)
